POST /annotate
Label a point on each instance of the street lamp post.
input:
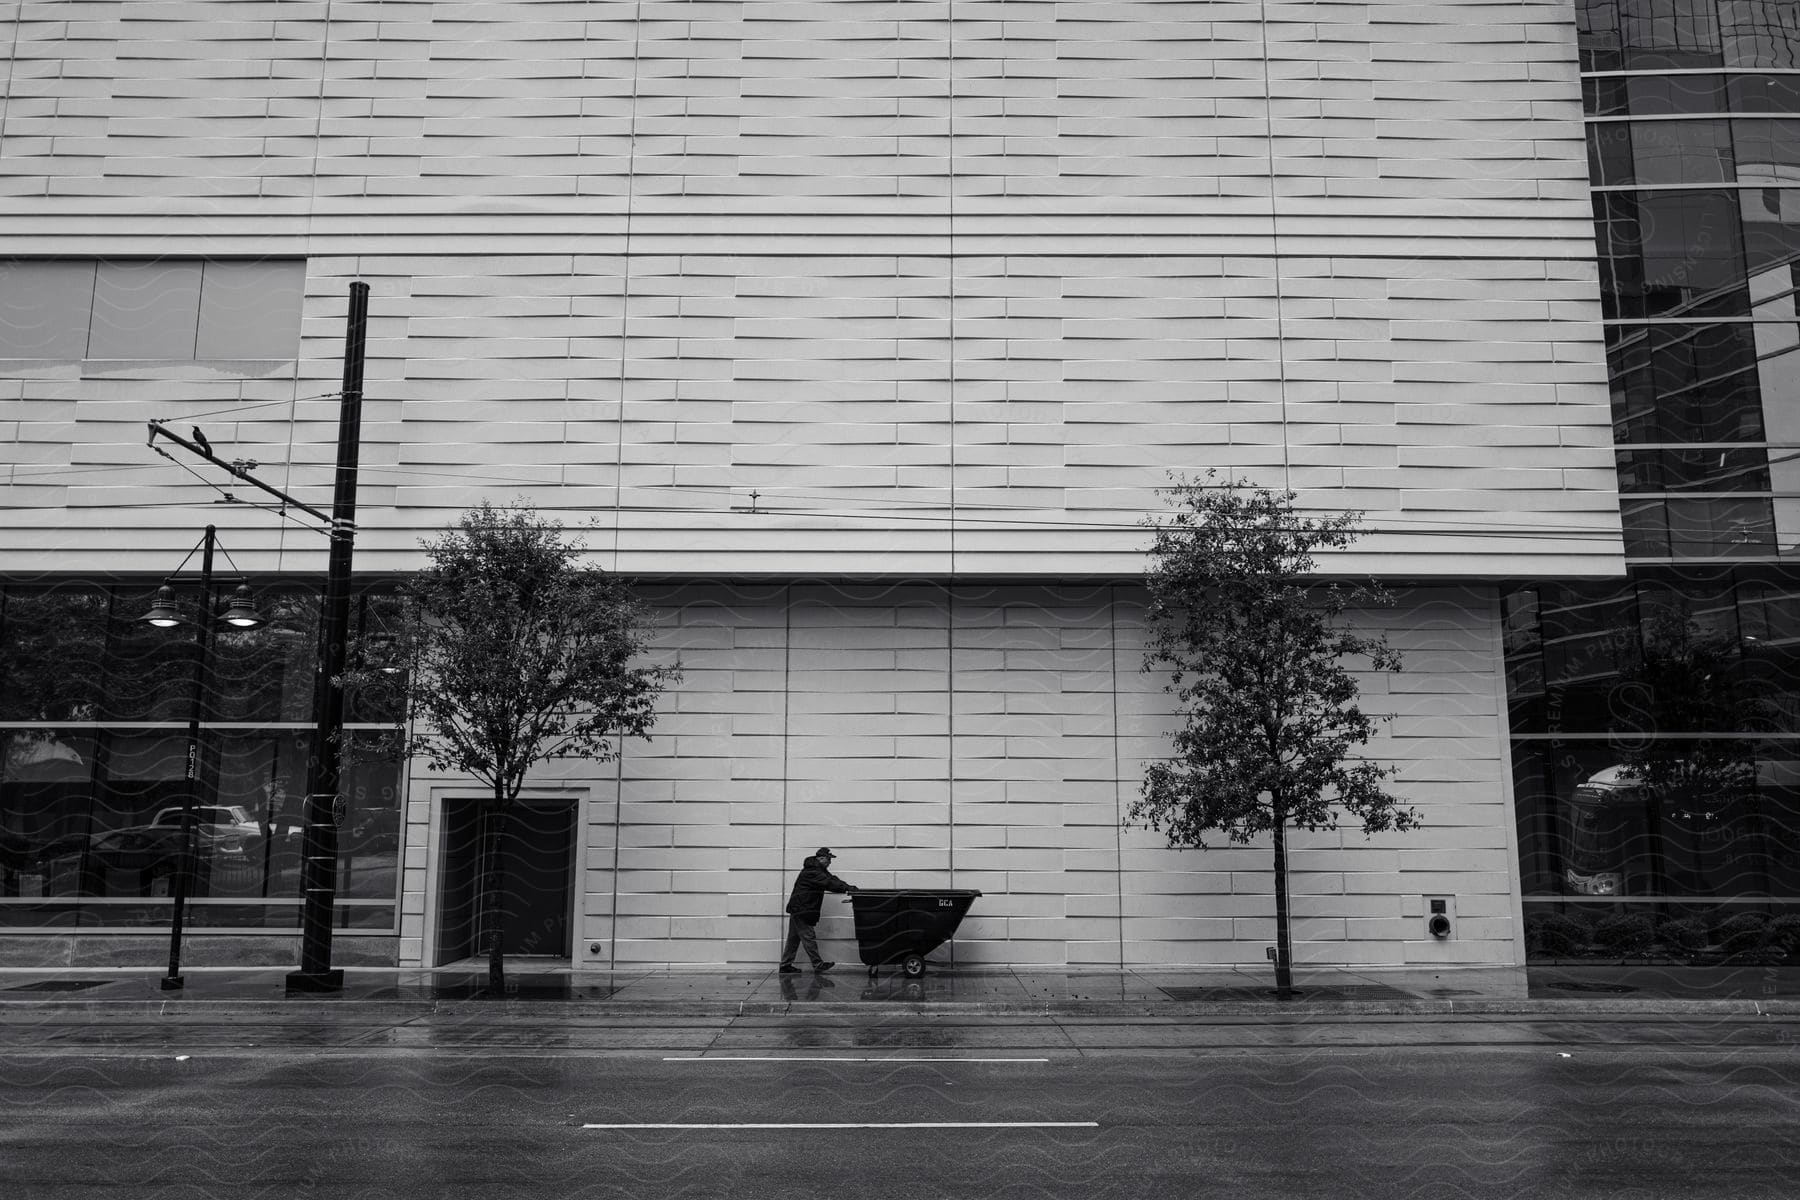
(164, 614)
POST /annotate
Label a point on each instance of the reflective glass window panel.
(1768, 150)
(98, 842)
(1760, 33)
(1681, 152)
(149, 672)
(1771, 231)
(1712, 469)
(46, 788)
(1685, 383)
(1769, 620)
(1674, 95)
(44, 308)
(1604, 96)
(1692, 252)
(1609, 153)
(52, 650)
(1660, 35)
(1673, 253)
(1699, 527)
(1621, 268)
(1764, 93)
(1597, 32)
(1650, 818)
(266, 673)
(376, 618)
(145, 310)
(251, 310)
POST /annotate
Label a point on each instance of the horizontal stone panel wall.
(806, 288)
(993, 737)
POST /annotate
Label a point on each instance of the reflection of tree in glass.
(51, 647)
(1683, 681)
(1681, 678)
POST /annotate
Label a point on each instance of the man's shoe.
(789, 969)
(823, 967)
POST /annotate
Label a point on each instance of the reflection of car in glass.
(152, 848)
(1621, 840)
(215, 820)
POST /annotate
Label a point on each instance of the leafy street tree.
(513, 652)
(1262, 672)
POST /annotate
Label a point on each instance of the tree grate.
(59, 985)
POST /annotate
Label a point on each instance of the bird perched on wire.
(200, 441)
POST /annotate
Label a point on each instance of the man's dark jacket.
(810, 888)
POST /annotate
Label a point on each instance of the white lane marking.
(862, 1125)
(821, 1058)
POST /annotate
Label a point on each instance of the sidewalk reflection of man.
(807, 898)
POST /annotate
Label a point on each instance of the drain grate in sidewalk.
(59, 985)
(1576, 985)
(1351, 991)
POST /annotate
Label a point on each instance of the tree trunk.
(1284, 947)
(493, 890)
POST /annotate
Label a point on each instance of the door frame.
(435, 848)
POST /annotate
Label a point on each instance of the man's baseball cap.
(824, 852)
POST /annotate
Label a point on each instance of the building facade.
(862, 334)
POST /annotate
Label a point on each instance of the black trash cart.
(902, 925)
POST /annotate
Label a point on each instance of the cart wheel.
(914, 965)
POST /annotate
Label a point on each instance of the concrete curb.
(313, 1009)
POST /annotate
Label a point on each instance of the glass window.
(1604, 96)
(44, 308)
(1656, 818)
(1661, 35)
(1768, 151)
(1764, 93)
(92, 817)
(1609, 153)
(1681, 152)
(1711, 469)
(52, 646)
(1666, 254)
(251, 310)
(1771, 229)
(1674, 95)
(1699, 527)
(1723, 652)
(1686, 383)
(145, 310)
(1760, 33)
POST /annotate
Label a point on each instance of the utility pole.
(324, 806)
(324, 803)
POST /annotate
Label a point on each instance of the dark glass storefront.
(1654, 761)
(94, 712)
(1656, 720)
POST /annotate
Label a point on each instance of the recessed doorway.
(538, 850)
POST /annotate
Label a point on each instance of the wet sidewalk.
(1190, 994)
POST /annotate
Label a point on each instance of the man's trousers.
(800, 933)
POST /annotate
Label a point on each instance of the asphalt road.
(911, 1108)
